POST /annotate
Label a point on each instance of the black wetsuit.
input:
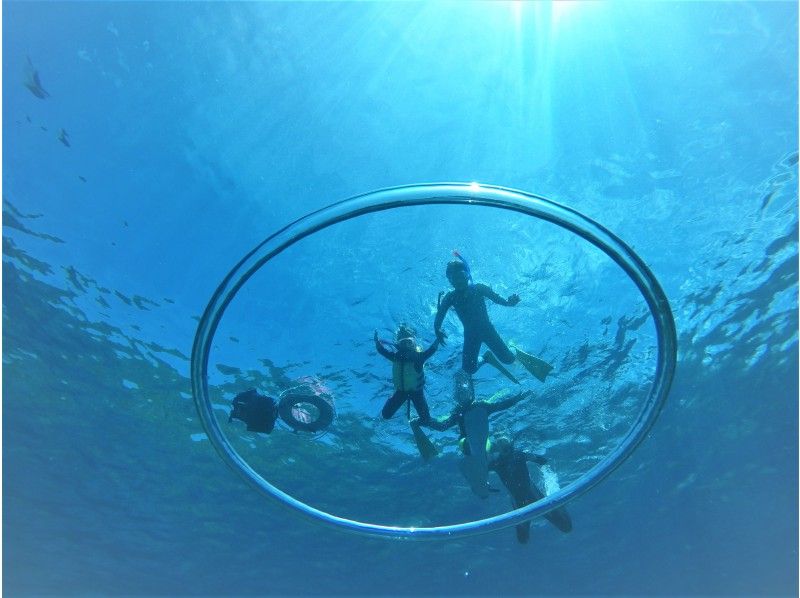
(470, 305)
(417, 361)
(512, 469)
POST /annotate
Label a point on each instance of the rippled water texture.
(149, 146)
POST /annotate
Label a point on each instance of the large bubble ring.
(442, 194)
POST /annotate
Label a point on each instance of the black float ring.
(288, 401)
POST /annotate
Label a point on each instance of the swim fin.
(426, 448)
(490, 358)
(475, 466)
(523, 532)
(473, 471)
(534, 365)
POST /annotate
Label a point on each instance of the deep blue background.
(200, 129)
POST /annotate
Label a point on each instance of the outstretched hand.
(513, 299)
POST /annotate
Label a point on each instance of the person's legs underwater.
(469, 357)
(537, 367)
(421, 405)
(523, 532)
(559, 517)
(523, 495)
(498, 352)
(393, 404)
(475, 463)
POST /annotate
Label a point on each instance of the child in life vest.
(408, 372)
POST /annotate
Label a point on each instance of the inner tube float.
(291, 411)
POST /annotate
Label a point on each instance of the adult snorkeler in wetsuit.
(472, 418)
(510, 464)
(469, 301)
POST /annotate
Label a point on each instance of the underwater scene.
(422, 366)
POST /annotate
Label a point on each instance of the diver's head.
(404, 330)
(463, 391)
(408, 343)
(502, 445)
(457, 274)
(405, 337)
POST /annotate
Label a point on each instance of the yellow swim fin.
(426, 448)
(490, 358)
(534, 365)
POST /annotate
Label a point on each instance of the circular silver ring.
(442, 194)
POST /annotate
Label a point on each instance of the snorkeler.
(469, 301)
(408, 375)
(472, 419)
(510, 464)
(408, 372)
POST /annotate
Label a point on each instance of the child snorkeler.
(469, 301)
(408, 374)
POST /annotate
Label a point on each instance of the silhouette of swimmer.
(32, 81)
(510, 464)
(408, 372)
(469, 301)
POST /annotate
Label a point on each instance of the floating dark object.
(82, 178)
(32, 81)
(63, 137)
(299, 409)
(259, 412)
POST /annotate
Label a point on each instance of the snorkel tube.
(466, 265)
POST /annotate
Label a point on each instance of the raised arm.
(440, 425)
(487, 292)
(430, 350)
(441, 312)
(381, 349)
(506, 403)
(534, 458)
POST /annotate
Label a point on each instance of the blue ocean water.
(158, 143)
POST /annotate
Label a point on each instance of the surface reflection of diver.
(510, 464)
(299, 408)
